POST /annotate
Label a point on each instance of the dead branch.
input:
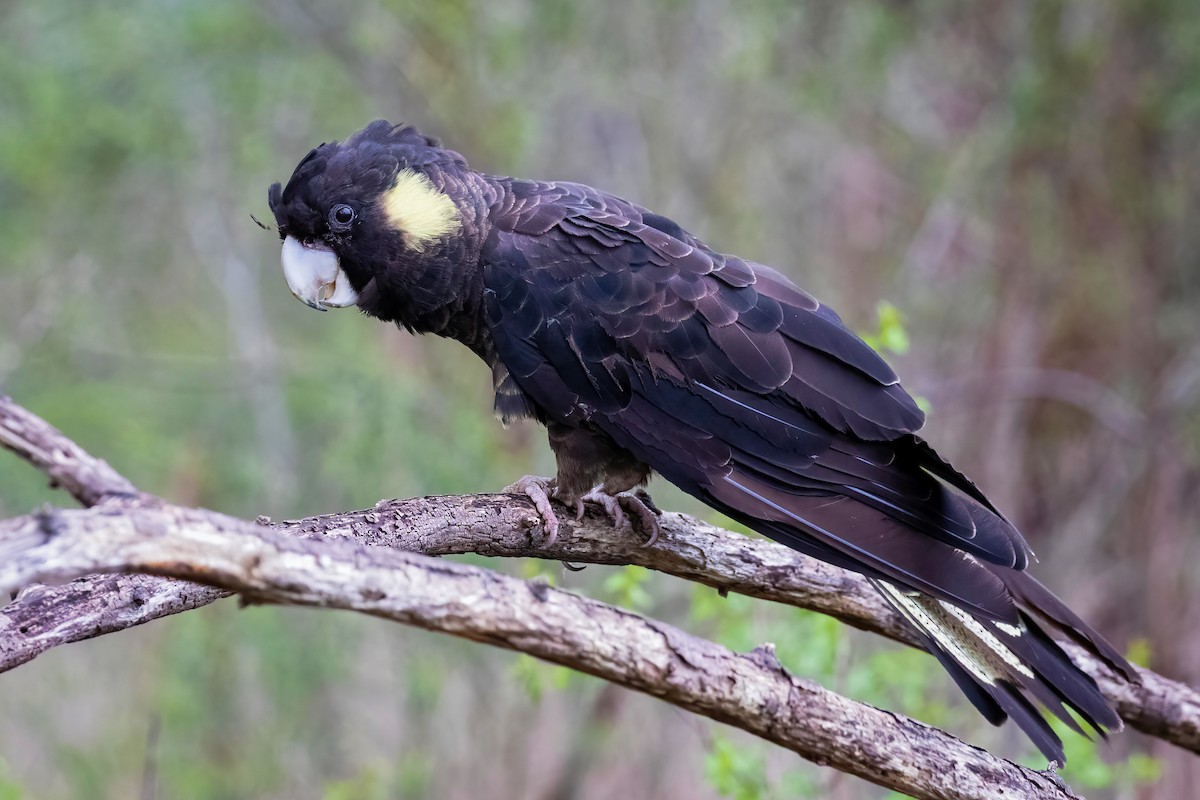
(88, 479)
(752, 692)
(501, 525)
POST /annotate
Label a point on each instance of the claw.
(623, 505)
(538, 490)
(647, 514)
(611, 505)
(647, 501)
(617, 507)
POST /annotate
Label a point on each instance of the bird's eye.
(340, 216)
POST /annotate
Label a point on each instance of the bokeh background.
(1004, 195)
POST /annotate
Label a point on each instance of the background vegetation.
(1020, 180)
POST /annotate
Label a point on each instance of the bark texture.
(751, 691)
(179, 558)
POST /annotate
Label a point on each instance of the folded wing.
(749, 394)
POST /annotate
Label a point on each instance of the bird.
(644, 351)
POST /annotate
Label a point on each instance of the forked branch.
(357, 561)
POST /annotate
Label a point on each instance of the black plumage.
(643, 350)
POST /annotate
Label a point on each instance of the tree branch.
(499, 525)
(505, 525)
(752, 692)
(88, 479)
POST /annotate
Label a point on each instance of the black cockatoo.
(643, 350)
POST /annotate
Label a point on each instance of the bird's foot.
(620, 506)
(539, 490)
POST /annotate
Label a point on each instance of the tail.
(1002, 667)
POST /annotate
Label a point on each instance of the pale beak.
(315, 277)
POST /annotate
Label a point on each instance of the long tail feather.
(1002, 667)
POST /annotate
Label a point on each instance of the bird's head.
(363, 220)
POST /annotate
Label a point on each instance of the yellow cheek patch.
(417, 209)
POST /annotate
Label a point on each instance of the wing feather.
(748, 393)
(749, 359)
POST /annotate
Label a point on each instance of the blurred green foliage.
(1087, 771)
(9, 789)
(736, 772)
(890, 336)
(1017, 157)
(626, 586)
